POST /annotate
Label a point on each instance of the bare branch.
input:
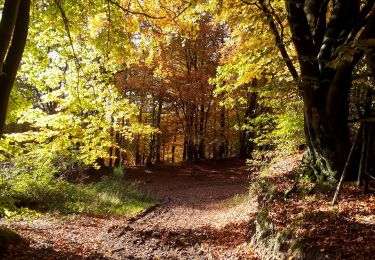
(182, 11)
(361, 20)
(67, 28)
(128, 11)
(271, 18)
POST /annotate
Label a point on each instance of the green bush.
(37, 184)
(289, 130)
(108, 196)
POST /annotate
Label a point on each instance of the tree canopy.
(104, 83)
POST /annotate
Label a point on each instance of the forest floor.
(306, 225)
(204, 213)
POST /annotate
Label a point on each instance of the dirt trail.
(193, 221)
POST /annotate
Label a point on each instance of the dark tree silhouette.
(325, 89)
(14, 26)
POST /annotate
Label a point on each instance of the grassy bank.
(109, 196)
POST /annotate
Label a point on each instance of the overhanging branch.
(128, 11)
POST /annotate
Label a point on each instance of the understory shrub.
(25, 187)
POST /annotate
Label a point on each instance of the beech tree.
(322, 33)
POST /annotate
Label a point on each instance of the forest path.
(197, 219)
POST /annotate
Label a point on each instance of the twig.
(362, 120)
(369, 175)
(76, 60)
(67, 29)
(182, 11)
(126, 10)
(362, 159)
(143, 213)
(344, 172)
(290, 191)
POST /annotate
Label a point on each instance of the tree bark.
(14, 27)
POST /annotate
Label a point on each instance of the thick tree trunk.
(163, 155)
(326, 127)
(151, 153)
(325, 89)
(13, 33)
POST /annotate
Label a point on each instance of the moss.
(236, 200)
(319, 167)
(110, 196)
(8, 237)
(296, 247)
(284, 235)
(262, 218)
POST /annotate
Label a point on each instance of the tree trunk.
(202, 145)
(246, 143)
(221, 152)
(138, 154)
(184, 153)
(189, 144)
(325, 89)
(151, 154)
(14, 27)
(111, 149)
(174, 147)
(326, 128)
(158, 125)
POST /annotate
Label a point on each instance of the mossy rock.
(8, 237)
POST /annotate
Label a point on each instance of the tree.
(14, 26)
(256, 75)
(325, 86)
(74, 115)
